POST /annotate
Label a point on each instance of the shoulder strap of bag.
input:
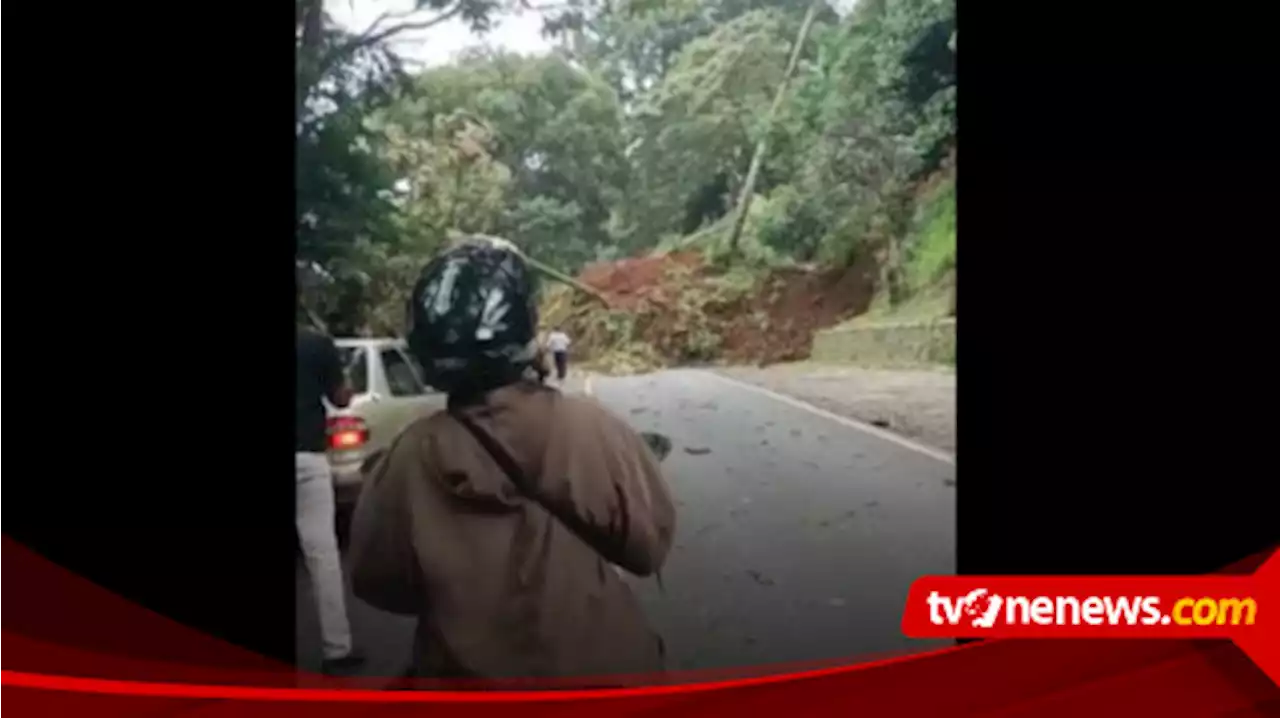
(513, 471)
(508, 465)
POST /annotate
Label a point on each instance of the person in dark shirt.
(320, 376)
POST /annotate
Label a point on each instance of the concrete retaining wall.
(889, 343)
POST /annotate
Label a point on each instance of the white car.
(388, 394)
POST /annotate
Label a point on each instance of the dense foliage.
(635, 134)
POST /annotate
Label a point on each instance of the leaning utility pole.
(748, 185)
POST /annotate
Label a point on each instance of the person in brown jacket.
(499, 522)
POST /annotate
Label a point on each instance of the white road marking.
(936, 454)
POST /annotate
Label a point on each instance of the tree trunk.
(893, 271)
(898, 206)
(757, 158)
(310, 16)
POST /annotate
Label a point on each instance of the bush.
(931, 246)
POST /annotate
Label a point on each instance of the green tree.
(345, 196)
(557, 128)
(694, 130)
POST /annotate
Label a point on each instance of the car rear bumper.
(346, 484)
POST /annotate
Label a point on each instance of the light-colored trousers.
(317, 534)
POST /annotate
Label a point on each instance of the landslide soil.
(683, 310)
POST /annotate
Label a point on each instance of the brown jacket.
(503, 588)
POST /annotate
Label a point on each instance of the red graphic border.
(181, 669)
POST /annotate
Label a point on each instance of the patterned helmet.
(473, 316)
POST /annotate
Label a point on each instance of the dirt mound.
(629, 282)
(674, 309)
(795, 304)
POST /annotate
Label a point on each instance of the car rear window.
(403, 378)
(356, 364)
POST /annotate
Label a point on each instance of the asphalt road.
(798, 535)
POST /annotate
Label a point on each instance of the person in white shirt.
(558, 344)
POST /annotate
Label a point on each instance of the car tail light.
(347, 432)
